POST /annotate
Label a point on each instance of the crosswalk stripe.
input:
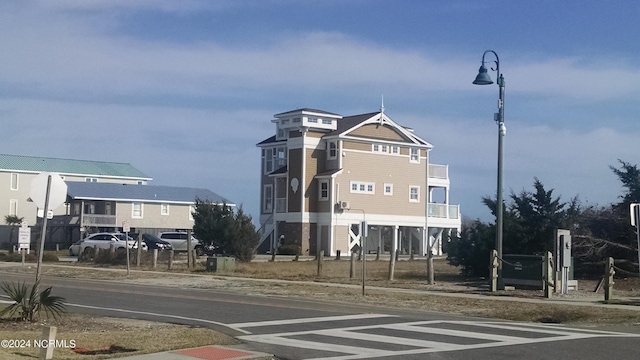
(422, 346)
(308, 320)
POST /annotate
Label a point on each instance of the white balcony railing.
(98, 220)
(443, 211)
(438, 171)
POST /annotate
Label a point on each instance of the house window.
(359, 187)
(414, 194)
(140, 182)
(91, 179)
(267, 204)
(324, 190)
(137, 210)
(14, 181)
(388, 189)
(13, 207)
(281, 159)
(333, 150)
(312, 120)
(385, 149)
(268, 161)
(164, 209)
(89, 208)
(326, 121)
(414, 156)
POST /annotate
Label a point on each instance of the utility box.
(218, 264)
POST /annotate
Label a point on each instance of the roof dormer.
(305, 118)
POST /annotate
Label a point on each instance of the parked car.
(178, 240)
(103, 241)
(154, 242)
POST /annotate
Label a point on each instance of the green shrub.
(87, 254)
(28, 304)
(48, 257)
(105, 256)
(17, 257)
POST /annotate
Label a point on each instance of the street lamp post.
(484, 79)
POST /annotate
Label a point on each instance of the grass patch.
(98, 334)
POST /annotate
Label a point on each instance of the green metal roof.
(69, 166)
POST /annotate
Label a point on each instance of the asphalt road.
(309, 329)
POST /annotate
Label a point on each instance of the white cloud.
(572, 79)
(64, 70)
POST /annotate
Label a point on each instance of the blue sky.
(183, 90)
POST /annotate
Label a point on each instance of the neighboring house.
(100, 196)
(323, 174)
(96, 207)
(17, 172)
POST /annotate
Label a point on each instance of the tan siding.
(354, 145)
(341, 239)
(315, 134)
(178, 217)
(374, 131)
(381, 169)
(325, 205)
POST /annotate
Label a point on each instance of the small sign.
(49, 213)
(125, 226)
(24, 237)
(634, 210)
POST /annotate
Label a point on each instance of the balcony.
(98, 220)
(438, 171)
(443, 215)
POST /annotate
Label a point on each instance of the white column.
(394, 245)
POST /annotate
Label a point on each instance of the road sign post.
(126, 228)
(635, 220)
(48, 191)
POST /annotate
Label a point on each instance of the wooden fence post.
(48, 337)
(548, 275)
(493, 270)
(320, 259)
(353, 265)
(609, 271)
(392, 264)
(430, 272)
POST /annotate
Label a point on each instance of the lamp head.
(483, 78)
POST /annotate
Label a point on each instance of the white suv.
(178, 241)
(103, 241)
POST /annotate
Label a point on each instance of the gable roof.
(69, 166)
(350, 123)
(144, 193)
